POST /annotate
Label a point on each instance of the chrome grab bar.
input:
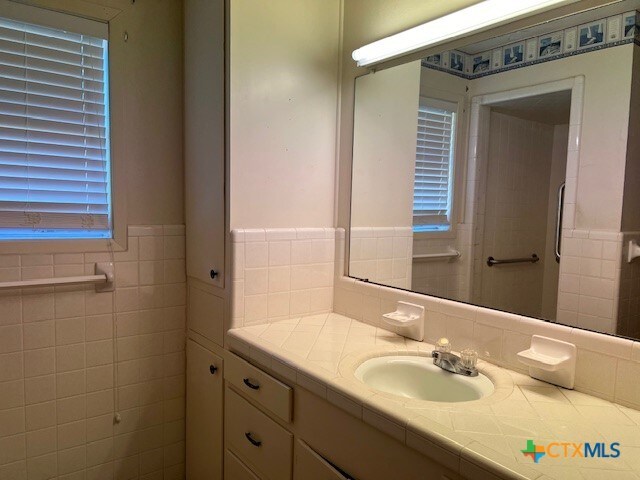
(559, 221)
(532, 259)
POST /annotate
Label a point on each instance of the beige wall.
(147, 73)
(384, 147)
(630, 210)
(283, 102)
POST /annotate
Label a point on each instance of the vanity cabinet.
(260, 387)
(234, 469)
(256, 439)
(204, 413)
(276, 432)
(309, 465)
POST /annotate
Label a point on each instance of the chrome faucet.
(452, 363)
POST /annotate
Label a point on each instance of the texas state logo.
(536, 452)
(571, 450)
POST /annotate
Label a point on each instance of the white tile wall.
(382, 255)
(590, 272)
(512, 214)
(443, 277)
(608, 366)
(281, 273)
(58, 371)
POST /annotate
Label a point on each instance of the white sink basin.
(417, 377)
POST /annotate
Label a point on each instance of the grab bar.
(532, 259)
(436, 256)
(559, 213)
(103, 279)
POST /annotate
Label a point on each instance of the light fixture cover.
(462, 22)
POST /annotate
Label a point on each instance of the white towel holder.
(103, 280)
(634, 250)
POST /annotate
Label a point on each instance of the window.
(54, 128)
(433, 185)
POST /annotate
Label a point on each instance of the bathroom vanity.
(288, 414)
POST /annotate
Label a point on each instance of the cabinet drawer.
(308, 465)
(272, 394)
(234, 469)
(256, 439)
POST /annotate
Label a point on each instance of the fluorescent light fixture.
(456, 24)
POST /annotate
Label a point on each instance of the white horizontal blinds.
(434, 165)
(54, 136)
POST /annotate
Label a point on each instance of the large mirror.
(507, 173)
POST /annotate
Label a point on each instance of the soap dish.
(551, 360)
(408, 319)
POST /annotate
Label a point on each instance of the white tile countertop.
(481, 439)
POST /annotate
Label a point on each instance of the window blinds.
(54, 133)
(434, 165)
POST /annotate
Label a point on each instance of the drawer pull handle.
(213, 369)
(254, 442)
(253, 386)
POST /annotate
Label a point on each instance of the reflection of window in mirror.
(435, 157)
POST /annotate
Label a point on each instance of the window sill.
(434, 235)
(22, 247)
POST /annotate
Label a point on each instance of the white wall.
(283, 100)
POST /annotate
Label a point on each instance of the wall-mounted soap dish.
(408, 319)
(551, 360)
(634, 251)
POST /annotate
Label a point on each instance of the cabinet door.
(204, 139)
(308, 465)
(204, 413)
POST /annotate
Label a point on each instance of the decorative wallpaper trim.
(610, 32)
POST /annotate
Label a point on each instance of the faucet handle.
(443, 345)
(469, 358)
